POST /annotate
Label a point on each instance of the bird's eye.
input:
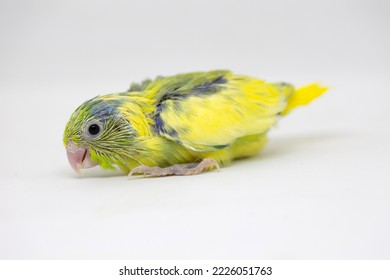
(94, 129)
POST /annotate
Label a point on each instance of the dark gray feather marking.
(206, 88)
(219, 147)
(159, 123)
(210, 87)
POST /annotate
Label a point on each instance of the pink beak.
(78, 157)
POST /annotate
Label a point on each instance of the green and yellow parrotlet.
(180, 125)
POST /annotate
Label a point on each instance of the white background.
(320, 189)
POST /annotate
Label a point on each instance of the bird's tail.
(303, 96)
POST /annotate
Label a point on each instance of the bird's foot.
(184, 169)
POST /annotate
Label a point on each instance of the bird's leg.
(177, 169)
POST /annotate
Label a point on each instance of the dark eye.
(94, 129)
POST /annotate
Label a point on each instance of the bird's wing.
(209, 111)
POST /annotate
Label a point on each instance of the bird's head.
(98, 134)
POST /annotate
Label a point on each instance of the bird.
(183, 124)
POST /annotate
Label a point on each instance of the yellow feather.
(303, 96)
(247, 107)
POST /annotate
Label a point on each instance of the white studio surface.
(320, 189)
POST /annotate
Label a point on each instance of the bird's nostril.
(71, 146)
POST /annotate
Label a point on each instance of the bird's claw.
(177, 169)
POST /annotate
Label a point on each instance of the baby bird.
(180, 125)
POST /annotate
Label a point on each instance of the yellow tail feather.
(303, 96)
